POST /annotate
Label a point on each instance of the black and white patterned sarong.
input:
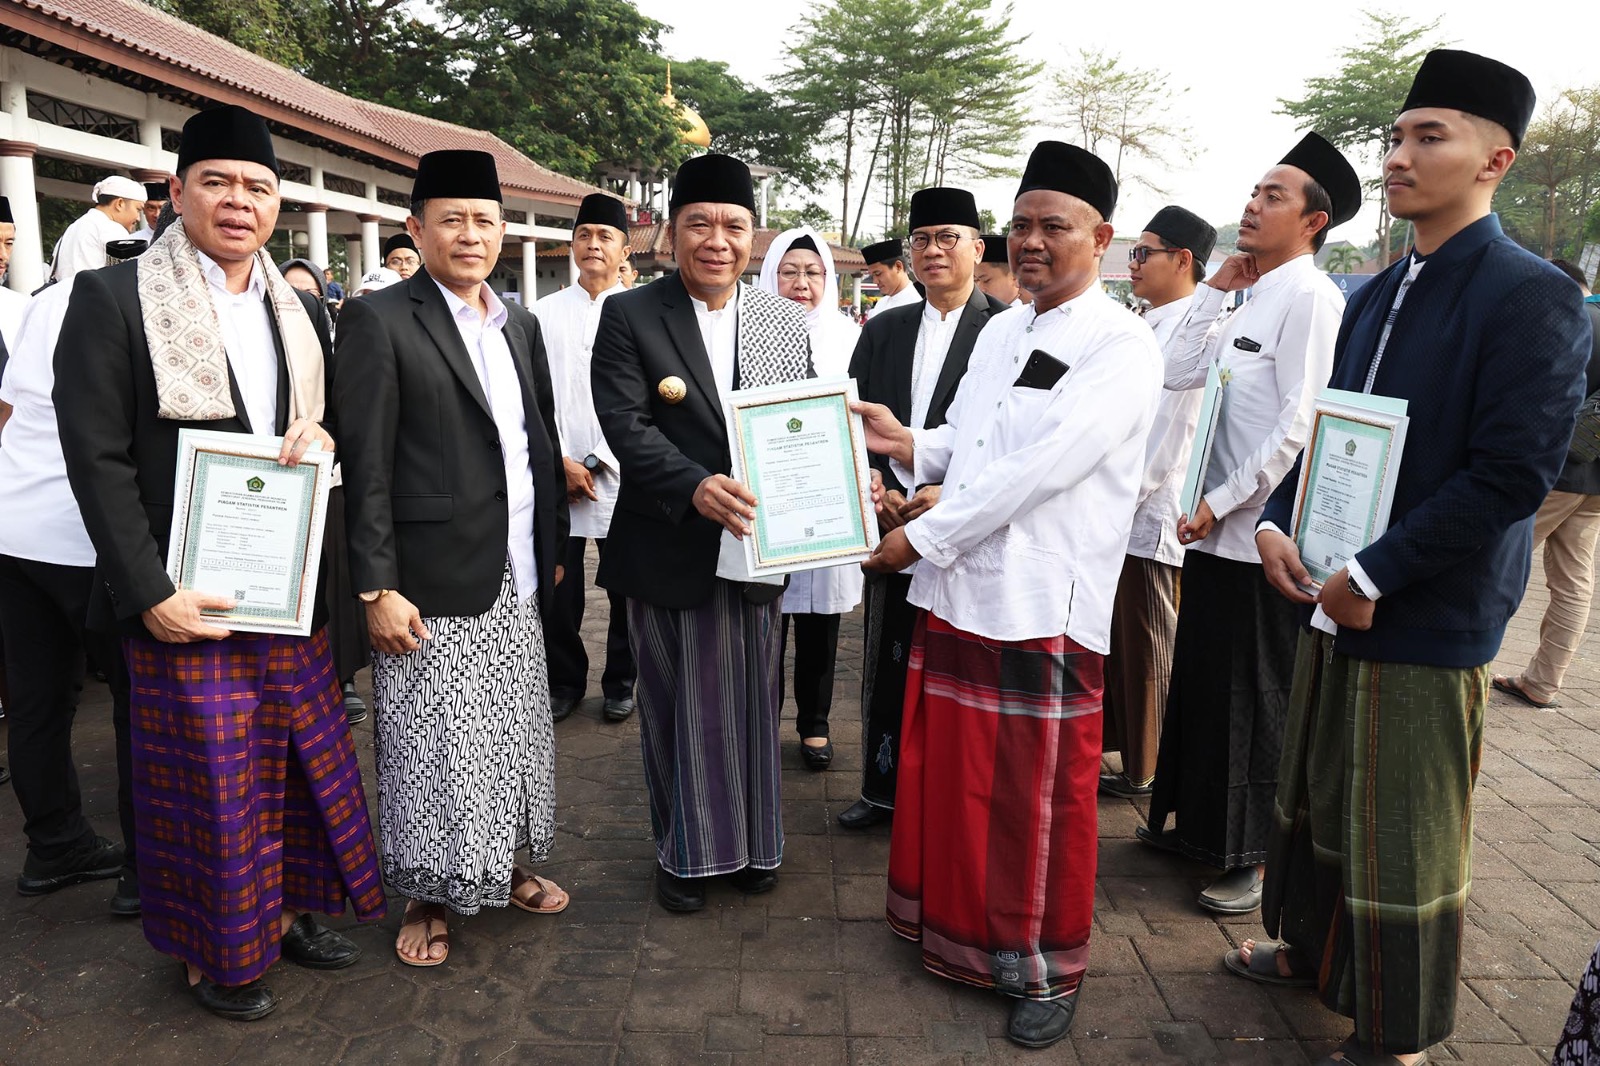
(465, 755)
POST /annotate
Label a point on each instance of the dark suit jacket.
(885, 355)
(122, 459)
(659, 548)
(424, 477)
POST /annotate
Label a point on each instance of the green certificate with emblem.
(1347, 477)
(802, 452)
(249, 529)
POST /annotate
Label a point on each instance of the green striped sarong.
(1370, 858)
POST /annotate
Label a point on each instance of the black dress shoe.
(237, 1003)
(681, 895)
(125, 900)
(816, 758)
(1164, 839)
(317, 947)
(561, 707)
(1120, 785)
(863, 815)
(618, 708)
(1040, 1023)
(753, 882)
(93, 861)
(355, 708)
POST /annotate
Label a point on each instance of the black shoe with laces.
(94, 860)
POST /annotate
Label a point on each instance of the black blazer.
(887, 351)
(659, 548)
(122, 459)
(424, 478)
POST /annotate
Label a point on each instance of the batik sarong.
(1144, 621)
(247, 798)
(992, 860)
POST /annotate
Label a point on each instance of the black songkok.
(883, 252)
(1478, 85)
(713, 179)
(125, 249)
(1067, 168)
(943, 207)
(228, 132)
(459, 174)
(1328, 167)
(157, 191)
(5, 210)
(398, 240)
(1175, 225)
(994, 250)
(599, 209)
(804, 244)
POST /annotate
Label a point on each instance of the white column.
(16, 179)
(352, 259)
(317, 231)
(856, 298)
(370, 245)
(766, 187)
(530, 271)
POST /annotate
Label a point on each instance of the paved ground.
(810, 973)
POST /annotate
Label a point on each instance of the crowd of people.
(1038, 597)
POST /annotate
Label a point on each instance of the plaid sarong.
(247, 797)
(992, 861)
(1370, 858)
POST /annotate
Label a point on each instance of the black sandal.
(1263, 965)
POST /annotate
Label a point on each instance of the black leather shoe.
(753, 882)
(681, 895)
(863, 815)
(617, 709)
(237, 1003)
(317, 947)
(561, 707)
(1040, 1023)
(1120, 785)
(816, 758)
(125, 900)
(355, 708)
(94, 861)
(1164, 840)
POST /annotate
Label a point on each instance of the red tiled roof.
(650, 242)
(134, 35)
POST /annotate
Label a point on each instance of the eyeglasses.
(945, 239)
(791, 274)
(1139, 252)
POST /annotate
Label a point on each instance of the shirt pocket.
(438, 507)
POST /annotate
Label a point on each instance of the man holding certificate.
(248, 806)
(1370, 857)
(992, 861)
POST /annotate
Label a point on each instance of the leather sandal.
(421, 914)
(547, 890)
(1512, 687)
(1263, 965)
(1350, 1054)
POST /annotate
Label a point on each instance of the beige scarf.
(185, 338)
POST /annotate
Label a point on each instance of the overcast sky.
(1236, 60)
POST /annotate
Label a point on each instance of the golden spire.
(698, 133)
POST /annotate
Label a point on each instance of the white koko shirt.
(1166, 456)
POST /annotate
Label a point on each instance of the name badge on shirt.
(1246, 344)
(1041, 371)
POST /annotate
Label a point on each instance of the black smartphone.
(1041, 371)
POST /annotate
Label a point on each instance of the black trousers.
(816, 651)
(42, 611)
(563, 639)
(890, 622)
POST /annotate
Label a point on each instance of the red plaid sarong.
(247, 797)
(992, 861)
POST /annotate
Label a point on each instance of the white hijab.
(833, 336)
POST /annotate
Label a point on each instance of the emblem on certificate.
(803, 453)
(1347, 477)
(249, 529)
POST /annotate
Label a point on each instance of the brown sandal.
(548, 890)
(421, 914)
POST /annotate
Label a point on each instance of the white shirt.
(39, 517)
(934, 333)
(720, 331)
(1293, 315)
(1028, 538)
(247, 338)
(904, 298)
(143, 233)
(569, 319)
(83, 245)
(12, 305)
(1166, 455)
(491, 357)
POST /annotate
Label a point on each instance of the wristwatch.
(591, 462)
(374, 595)
(1355, 588)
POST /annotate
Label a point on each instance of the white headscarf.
(833, 336)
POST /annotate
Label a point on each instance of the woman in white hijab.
(799, 267)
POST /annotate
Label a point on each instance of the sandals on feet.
(1351, 1055)
(547, 892)
(1512, 686)
(1263, 965)
(421, 914)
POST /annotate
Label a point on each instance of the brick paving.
(810, 973)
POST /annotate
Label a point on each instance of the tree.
(1343, 258)
(1556, 177)
(1356, 108)
(266, 27)
(1120, 113)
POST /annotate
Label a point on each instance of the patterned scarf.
(185, 337)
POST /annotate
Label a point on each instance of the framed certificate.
(802, 452)
(247, 528)
(1347, 477)
(1205, 438)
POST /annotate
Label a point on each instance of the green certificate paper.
(1347, 477)
(246, 528)
(803, 454)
